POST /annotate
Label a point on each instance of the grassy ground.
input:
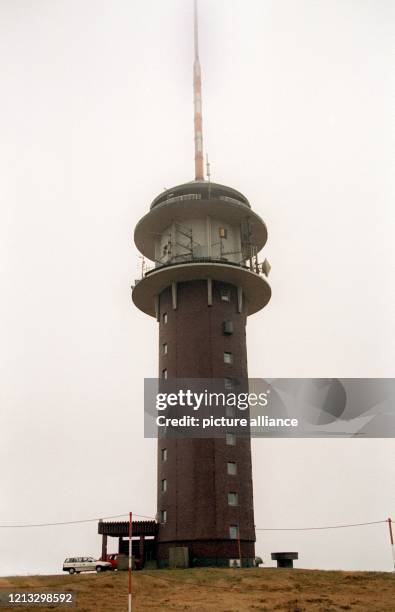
(222, 590)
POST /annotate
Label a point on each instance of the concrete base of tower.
(210, 553)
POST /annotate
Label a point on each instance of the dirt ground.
(221, 590)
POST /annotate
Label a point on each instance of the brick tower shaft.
(196, 471)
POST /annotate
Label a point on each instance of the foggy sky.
(96, 118)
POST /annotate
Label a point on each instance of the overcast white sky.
(95, 120)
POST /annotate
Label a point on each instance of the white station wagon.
(75, 565)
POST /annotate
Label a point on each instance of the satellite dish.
(266, 267)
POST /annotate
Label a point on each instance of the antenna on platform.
(197, 97)
(208, 170)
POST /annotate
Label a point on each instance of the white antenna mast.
(197, 96)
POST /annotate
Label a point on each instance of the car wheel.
(99, 568)
(71, 570)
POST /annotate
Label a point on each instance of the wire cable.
(63, 523)
(317, 528)
(151, 518)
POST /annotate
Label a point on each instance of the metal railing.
(182, 198)
(195, 260)
(231, 200)
(198, 196)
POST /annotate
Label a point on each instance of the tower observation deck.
(203, 241)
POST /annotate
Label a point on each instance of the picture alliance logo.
(208, 399)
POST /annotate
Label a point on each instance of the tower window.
(233, 532)
(164, 374)
(232, 468)
(163, 516)
(227, 327)
(163, 485)
(164, 318)
(230, 439)
(163, 454)
(164, 348)
(230, 411)
(233, 499)
(228, 384)
(223, 232)
(225, 295)
(228, 357)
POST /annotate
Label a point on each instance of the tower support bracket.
(239, 299)
(157, 309)
(209, 292)
(174, 295)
